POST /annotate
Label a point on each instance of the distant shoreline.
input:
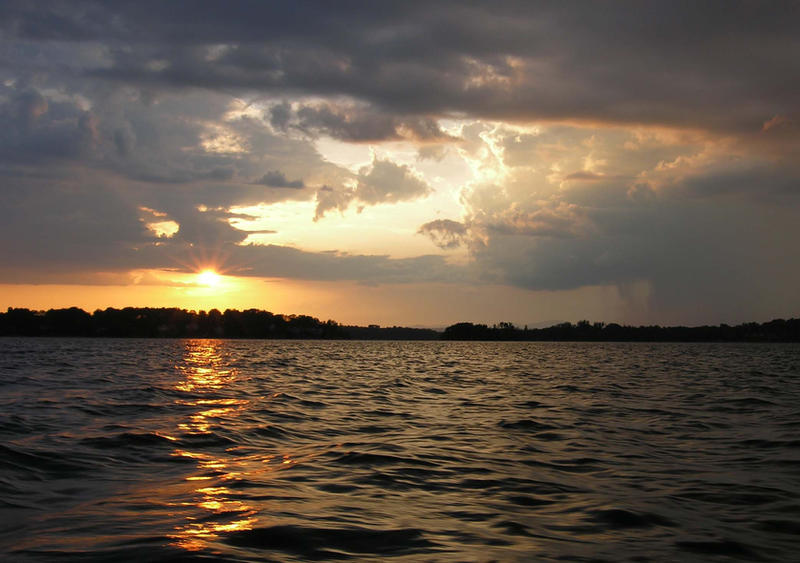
(146, 322)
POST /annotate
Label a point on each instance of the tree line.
(146, 322)
(778, 330)
(135, 322)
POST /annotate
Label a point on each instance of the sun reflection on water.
(204, 370)
(200, 422)
(204, 367)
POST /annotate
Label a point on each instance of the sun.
(208, 278)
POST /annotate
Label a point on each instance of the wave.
(333, 543)
(290, 451)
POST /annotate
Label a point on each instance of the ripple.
(526, 424)
(170, 450)
(617, 518)
(369, 459)
(332, 543)
(722, 547)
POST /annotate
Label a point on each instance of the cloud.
(52, 234)
(585, 176)
(381, 182)
(207, 227)
(444, 233)
(641, 63)
(170, 151)
(432, 152)
(280, 115)
(281, 261)
(59, 228)
(277, 179)
(699, 223)
(548, 218)
(36, 130)
(354, 124)
(387, 182)
(329, 199)
(779, 122)
(348, 127)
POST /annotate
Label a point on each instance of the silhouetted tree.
(253, 323)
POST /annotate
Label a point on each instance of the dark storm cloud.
(719, 65)
(721, 261)
(710, 245)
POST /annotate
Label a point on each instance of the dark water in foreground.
(152, 450)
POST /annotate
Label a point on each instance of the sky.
(410, 163)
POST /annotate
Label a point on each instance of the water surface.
(181, 450)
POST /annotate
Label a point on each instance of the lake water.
(183, 450)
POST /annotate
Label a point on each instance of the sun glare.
(208, 278)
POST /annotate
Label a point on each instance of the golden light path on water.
(204, 371)
(207, 507)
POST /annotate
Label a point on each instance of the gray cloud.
(584, 176)
(170, 152)
(329, 199)
(642, 62)
(547, 219)
(387, 182)
(444, 233)
(705, 229)
(281, 261)
(277, 179)
(59, 228)
(52, 234)
(381, 182)
(337, 124)
(362, 125)
(757, 179)
(35, 130)
(280, 115)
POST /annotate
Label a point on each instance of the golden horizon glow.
(426, 305)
